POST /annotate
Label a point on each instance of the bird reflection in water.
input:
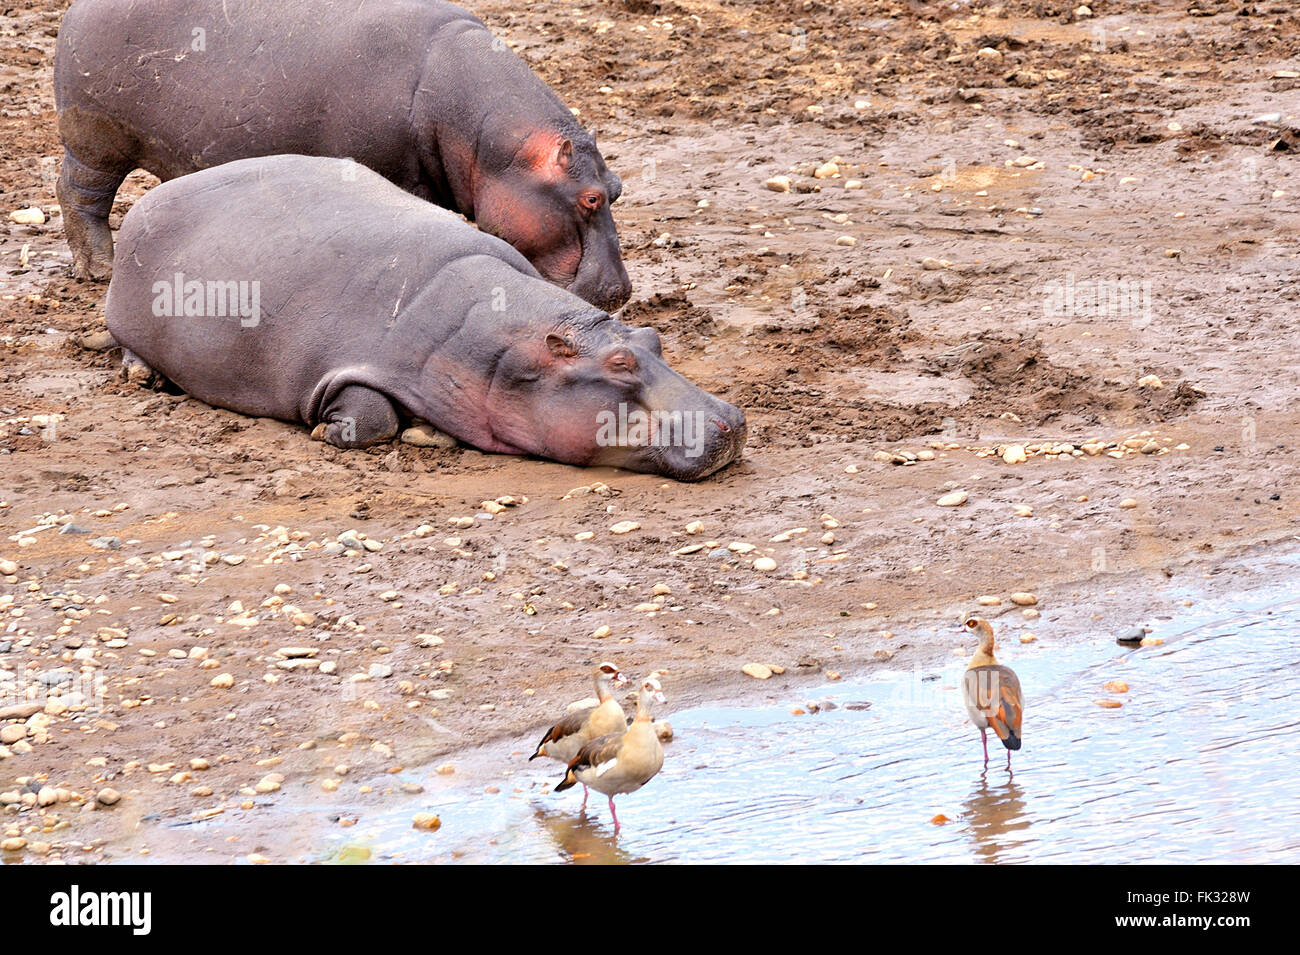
(996, 814)
(582, 839)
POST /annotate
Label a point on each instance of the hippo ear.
(564, 155)
(561, 347)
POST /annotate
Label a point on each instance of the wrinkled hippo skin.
(313, 290)
(417, 90)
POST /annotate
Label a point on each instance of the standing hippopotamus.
(417, 90)
(313, 290)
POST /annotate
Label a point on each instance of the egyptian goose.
(563, 740)
(992, 692)
(621, 762)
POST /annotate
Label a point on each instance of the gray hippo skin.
(313, 290)
(417, 90)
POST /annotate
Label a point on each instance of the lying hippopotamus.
(314, 290)
(417, 90)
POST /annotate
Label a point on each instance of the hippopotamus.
(313, 290)
(417, 90)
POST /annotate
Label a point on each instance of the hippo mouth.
(724, 443)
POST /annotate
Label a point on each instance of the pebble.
(32, 215)
(1024, 510)
(427, 436)
(426, 821)
(955, 499)
(846, 240)
(601, 632)
(989, 601)
(778, 184)
(105, 543)
(758, 671)
(1015, 454)
(1115, 686)
(827, 170)
(1128, 503)
(1133, 635)
(15, 844)
(8, 568)
(765, 564)
(1023, 599)
(1150, 381)
(625, 527)
(19, 711)
(12, 733)
(380, 671)
(223, 681)
(108, 797)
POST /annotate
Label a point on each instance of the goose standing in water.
(992, 692)
(563, 740)
(621, 762)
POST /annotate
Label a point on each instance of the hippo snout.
(721, 443)
(608, 291)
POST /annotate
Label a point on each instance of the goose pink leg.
(984, 738)
(613, 813)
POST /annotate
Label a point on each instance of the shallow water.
(1197, 765)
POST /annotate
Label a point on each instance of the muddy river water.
(1197, 764)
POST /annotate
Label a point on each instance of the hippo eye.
(623, 361)
(590, 201)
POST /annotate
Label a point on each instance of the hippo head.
(591, 391)
(552, 204)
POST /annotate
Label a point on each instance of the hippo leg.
(136, 371)
(86, 198)
(357, 418)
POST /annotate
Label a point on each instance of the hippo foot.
(135, 371)
(92, 268)
(357, 418)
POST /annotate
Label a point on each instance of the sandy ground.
(1001, 155)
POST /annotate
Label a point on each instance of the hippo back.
(290, 266)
